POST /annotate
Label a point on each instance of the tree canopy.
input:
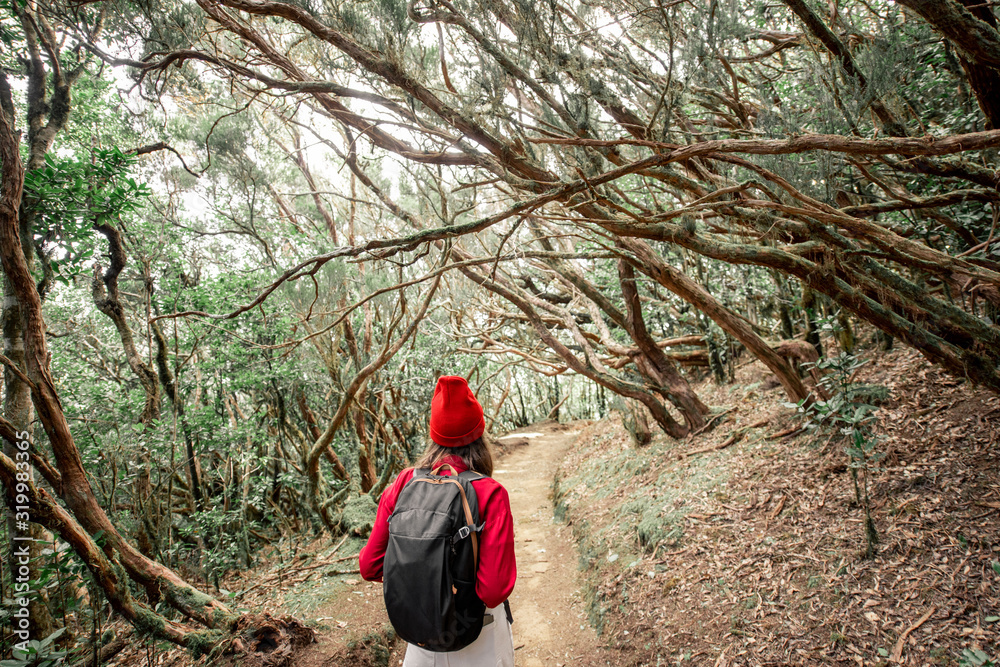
(241, 238)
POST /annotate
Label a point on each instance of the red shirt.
(497, 569)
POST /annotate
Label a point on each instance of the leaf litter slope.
(749, 551)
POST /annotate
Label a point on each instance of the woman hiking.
(459, 447)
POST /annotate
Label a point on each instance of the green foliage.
(41, 653)
(96, 118)
(11, 34)
(70, 196)
(973, 657)
(843, 409)
(852, 418)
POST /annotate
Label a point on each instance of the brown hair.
(477, 455)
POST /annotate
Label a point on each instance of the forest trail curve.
(550, 618)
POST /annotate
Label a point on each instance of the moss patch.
(359, 515)
(204, 642)
(643, 494)
(188, 597)
(148, 622)
(316, 595)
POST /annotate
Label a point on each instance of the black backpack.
(431, 561)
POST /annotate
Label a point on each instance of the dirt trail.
(550, 620)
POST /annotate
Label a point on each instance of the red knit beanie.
(456, 416)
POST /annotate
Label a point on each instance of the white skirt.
(493, 648)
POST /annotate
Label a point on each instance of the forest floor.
(741, 546)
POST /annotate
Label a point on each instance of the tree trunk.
(356, 386)
(339, 471)
(809, 306)
(658, 367)
(592, 368)
(366, 452)
(966, 25)
(76, 490)
(106, 297)
(678, 283)
(650, 360)
(17, 410)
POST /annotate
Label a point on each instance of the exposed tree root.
(260, 640)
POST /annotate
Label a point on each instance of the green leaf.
(992, 619)
(51, 638)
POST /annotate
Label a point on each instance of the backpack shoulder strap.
(467, 477)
